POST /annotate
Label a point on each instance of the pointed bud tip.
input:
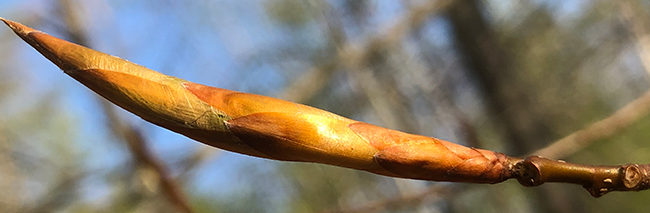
(18, 28)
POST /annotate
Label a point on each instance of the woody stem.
(598, 180)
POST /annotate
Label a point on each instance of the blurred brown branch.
(638, 26)
(130, 134)
(9, 202)
(64, 192)
(620, 119)
(607, 127)
(429, 194)
(191, 163)
(352, 54)
(138, 146)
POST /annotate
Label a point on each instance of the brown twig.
(598, 180)
(366, 147)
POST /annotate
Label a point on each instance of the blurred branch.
(622, 118)
(10, 178)
(358, 61)
(492, 66)
(607, 127)
(432, 192)
(315, 79)
(63, 193)
(355, 54)
(355, 59)
(190, 163)
(308, 83)
(376, 95)
(135, 140)
(437, 83)
(638, 28)
(143, 155)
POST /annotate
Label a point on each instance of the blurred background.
(509, 76)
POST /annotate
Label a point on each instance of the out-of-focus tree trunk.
(491, 65)
(524, 127)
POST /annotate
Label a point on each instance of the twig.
(366, 147)
(598, 180)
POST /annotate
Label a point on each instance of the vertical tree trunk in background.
(508, 101)
(492, 67)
